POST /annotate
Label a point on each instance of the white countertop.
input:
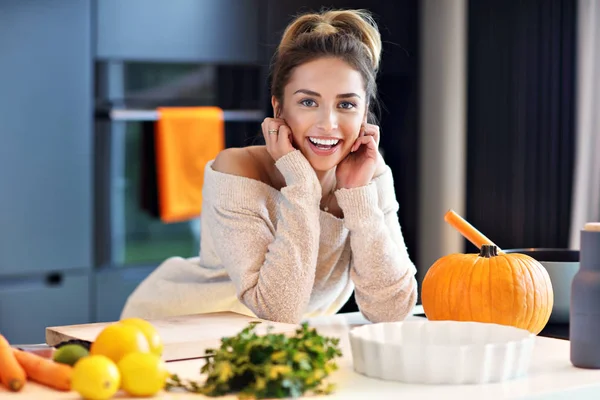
(551, 376)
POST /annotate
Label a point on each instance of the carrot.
(45, 371)
(467, 230)
(12, 373)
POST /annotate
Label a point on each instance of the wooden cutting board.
(184, 337)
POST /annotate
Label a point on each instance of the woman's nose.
(328, 120)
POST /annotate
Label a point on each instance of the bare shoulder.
(240, 161)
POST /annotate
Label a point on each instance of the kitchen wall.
(521, 121)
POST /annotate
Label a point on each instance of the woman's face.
(324, 105)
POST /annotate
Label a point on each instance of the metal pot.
(562, 265)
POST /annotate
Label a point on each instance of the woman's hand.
(364, 161)
(278, 137)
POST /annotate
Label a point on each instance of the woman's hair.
(350, 35)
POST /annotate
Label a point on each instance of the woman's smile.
(324, 107)
(324, 146)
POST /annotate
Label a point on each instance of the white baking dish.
(441, 352)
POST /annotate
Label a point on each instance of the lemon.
(142, 374)
(154, 339)
(95, 378)
(117, 340)
(69, 354)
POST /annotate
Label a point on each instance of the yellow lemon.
(154, 339)
(95, 378)
(143, 374)
(117, 340)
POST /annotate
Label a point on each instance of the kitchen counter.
(551, 330)
(551, 375)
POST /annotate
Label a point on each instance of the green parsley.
(267, 366)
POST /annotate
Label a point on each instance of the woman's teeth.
(324, 142)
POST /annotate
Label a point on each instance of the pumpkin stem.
(488, 250)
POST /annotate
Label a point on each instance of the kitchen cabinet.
(29, 304)
(112, 287)
(46, 133)
(217, 31)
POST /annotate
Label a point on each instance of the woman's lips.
(321, 150)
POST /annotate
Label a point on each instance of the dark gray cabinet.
(45, 133)
(219, 31)
(112, 287)
(29, 305)
(49, 51)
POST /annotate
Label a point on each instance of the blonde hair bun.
(357, 23)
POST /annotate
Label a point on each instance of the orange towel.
(186, 138)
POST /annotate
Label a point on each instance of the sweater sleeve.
(272, 266)
(383, 274)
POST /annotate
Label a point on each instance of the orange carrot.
(12, 373)
(45, 371)
(467, 230)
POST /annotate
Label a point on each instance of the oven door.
(130, 242)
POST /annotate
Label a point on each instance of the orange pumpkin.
(509, 289)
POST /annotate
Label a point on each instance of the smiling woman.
(324, 124)
(292, 228)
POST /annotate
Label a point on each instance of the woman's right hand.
(278, 137)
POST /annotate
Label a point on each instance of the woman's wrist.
(350, 186)
(359, 204)
(381, 167)
(296, 170)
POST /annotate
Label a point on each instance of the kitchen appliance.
(562, 265)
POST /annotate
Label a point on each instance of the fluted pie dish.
(441, 352)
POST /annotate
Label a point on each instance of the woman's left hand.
(364, 161)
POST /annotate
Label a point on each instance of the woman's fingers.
(270, 128)
(360, 141)
(372, 143)
(366, 131)
(272, 134)
(284, 139)
(372, 130)
(277, 137)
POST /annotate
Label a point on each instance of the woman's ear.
(276, 107)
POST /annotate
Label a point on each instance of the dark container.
(584, 327)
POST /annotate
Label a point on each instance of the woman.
(291, 228)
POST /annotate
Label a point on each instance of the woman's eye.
(347, 105)
(308, 103)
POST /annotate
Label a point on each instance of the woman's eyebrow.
(308, 92)
(313, 93)
(346, 95)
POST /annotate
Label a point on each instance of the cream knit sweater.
(275, 255)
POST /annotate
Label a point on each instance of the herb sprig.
(267, 366)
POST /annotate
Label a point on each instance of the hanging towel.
(148, 188)
(186, 138)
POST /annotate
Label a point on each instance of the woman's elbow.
(274, 311)
(280, 316)
(394, 309)
(281, 319)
